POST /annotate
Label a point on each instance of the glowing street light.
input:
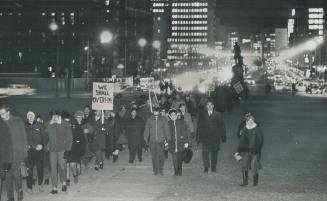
(156, 44)
(106, 37)
(142, 42)
(53, 26)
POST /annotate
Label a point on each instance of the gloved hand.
(39, 147)
(186, 145)
(6, 166)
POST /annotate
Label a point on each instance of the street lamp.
(106, 37)
(142, 43)
(156, 45)
(53, 26)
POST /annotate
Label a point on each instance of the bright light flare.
(142, 42)
(309, 45)
(53, 26)
(106, 37)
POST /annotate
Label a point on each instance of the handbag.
(23, 170)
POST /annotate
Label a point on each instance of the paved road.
(294, 160)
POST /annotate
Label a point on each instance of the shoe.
(64, 188)
(46, 182)
(20, 195)
(68, 182)
(11, 199)
(206, 169)
(101, 166)
(130, 161)
(161, 173)
(96, 168)
(75, 179)
(140, 160)
(54, 192)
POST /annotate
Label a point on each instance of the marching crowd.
(57, 149)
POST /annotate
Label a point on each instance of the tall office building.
(307, 23)
(191, 27)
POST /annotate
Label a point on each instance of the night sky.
(253, 16)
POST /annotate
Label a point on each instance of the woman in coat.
(178, 140)
(74, 156)
(250, 147)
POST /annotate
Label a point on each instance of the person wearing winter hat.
(78, 148)
(249, 148)
(60, 140)
(178, 140)
(156, 133)
(36, 139)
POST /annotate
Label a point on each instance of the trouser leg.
(132, 152)
(175, 162)
(62, 167)
(31, 163)
(180, 162)
(46, 166)
(214, 159)
(9, 181)
(139, 152)
(98, 157)
(54, 169)
(161, 155)
(205, 156)
(155, 158)
(40, 167)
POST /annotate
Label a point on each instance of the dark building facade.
(72, 47)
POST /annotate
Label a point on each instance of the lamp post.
(156, 45)
(142, 43)
(55, 28)
(105, 38)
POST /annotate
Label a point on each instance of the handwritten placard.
(103, 96)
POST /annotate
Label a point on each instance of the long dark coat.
(134, 129)
(114, 127)
(178, 135)
(99, 135)
(6, 147)
(19, 140)
(79, 143)
(211, 130)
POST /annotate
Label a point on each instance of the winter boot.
(255, 179)
(245, 175)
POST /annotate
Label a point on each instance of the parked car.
(133, 92)
(17, 89)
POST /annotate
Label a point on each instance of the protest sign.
(103, 96)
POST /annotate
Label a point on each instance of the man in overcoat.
(211, 131)
(19, 142)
